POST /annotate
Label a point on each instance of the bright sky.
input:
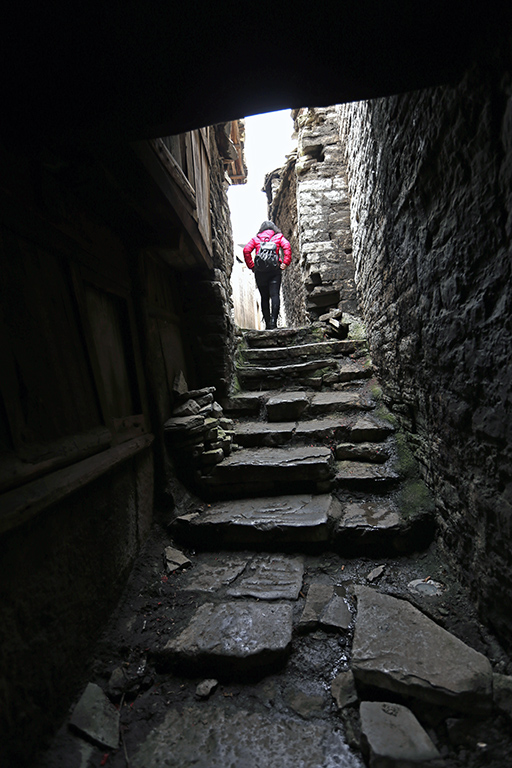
(268, 139)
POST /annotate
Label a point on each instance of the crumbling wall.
(431, 212)
(323, 212)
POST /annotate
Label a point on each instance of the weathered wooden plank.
(21, 504)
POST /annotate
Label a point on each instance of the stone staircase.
(321, 441)
(308, 598)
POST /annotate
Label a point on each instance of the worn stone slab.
(284, 519)
(287, 406)
(299, 351)
(368, 516)
(96, 717)
(393, 736)
(398, 648)
(350, 370)
(257, 433)
(287, 370)
(357, 473)
(210, 577)
(365, 429)
(243, 404)
(335, 402)
(374, 452)
(326, 428)
(301, 463)
(270, 577)
(233, 636)
(198, 736)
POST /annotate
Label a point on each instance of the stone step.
(233, 637)
(271, 471)
(267, 522)
(330, 430)
(364, 476)
(270, 374)
(244, 403)
(323, 403)
(319, 349)
(316, 372)
(281, 337)
(306, 521)
(292, 405)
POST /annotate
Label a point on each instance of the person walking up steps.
(273, 255)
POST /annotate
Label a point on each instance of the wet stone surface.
(303, 712)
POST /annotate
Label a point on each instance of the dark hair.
(268, 225)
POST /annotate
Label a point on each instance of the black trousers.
(269, 284)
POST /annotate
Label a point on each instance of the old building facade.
(115, 285)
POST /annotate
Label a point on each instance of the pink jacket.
(263, 237)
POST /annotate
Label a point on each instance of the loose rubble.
(311, 627)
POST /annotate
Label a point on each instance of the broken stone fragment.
(317, 598)
(343, 689)
(336, 614)
(96, 717)
(196, 393)
(179, 385)
(376, 573)
(184, 423)
(175, 559)
(326, 608)
(190, 408)
(210, 458)
(206, 688)
(398, 648)
(393, 737)
(206, 399)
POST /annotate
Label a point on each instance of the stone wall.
(323, 213)
(431, 211)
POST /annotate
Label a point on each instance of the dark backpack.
(267, 258)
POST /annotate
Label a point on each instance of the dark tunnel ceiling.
(153, 68)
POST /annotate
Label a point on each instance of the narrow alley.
(222, 546)
(303, 616)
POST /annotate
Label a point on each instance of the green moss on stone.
(415, 498)
(407, 465)
(383, 413)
